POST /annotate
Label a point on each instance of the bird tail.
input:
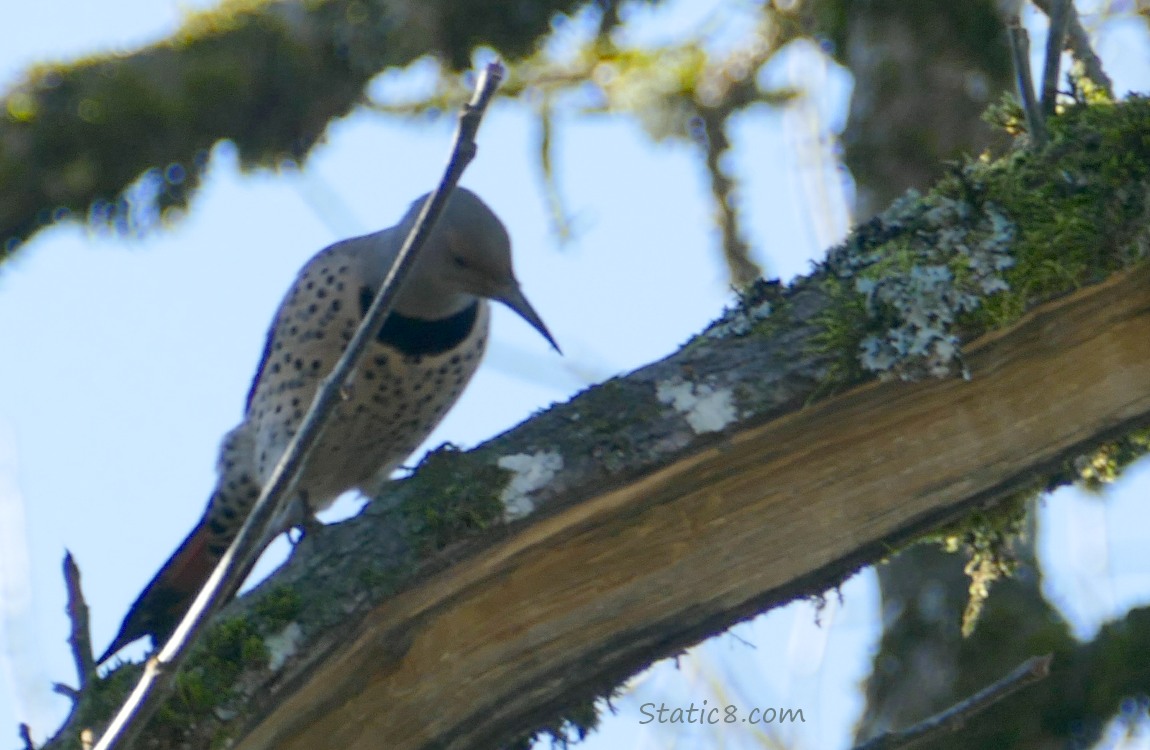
(165, 601)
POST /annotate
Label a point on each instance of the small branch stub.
(80, 637)
(1059, 15)
(1020, 53)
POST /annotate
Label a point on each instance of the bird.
(411, 374)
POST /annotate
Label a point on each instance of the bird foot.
(308, 528)
(312, 526)
(304, 522)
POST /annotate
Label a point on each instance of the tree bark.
(573, 602)
(665, 506)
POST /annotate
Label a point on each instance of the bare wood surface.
(595, 590)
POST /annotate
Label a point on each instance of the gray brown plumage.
(411, 374)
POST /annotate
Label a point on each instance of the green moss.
(208, 681)
(987, 538)
(277, 608)
(99, 702)
(994, 238)
(619, 401)
(572, 725)
(618, 396)
(1077, 211)
(760, 309)
(460, 497)
(842, 327)
(1106, 463)
(211, 679)
(1077, 204)
(380, 581)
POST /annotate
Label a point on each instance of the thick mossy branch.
(991, 240)
(405, 582)
(269, 75)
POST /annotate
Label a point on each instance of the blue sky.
(128, 358)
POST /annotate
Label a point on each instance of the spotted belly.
(397, 398)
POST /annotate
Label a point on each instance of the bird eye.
(459, 262)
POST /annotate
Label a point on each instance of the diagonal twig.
(1020, 53)
(26, 737)
(1032, 670)
(1078, 42)
(235, 565)
(1059, 15)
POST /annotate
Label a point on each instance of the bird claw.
(311, 530)
(311, 526)
(306, 524)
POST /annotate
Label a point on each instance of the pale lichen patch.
(949, 256)
(706, 408)
(283, 645)
(530, 472)
(740, 321)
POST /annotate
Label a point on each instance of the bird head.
(467, 255)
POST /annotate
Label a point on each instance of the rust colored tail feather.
(163, 603)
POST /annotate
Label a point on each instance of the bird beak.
(513, 298)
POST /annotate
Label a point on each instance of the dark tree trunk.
(924, 73)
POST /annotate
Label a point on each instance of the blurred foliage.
(122, 141)
(686, 90)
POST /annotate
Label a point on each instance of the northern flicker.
(426, 352)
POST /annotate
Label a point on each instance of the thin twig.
(1032, 670)
(26, 737)
(711, 135)
(1078, 42)
(1059, 15)
(239, 559)
(80, 639)
(1020, 52)
(560, 222)
(67, 691)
